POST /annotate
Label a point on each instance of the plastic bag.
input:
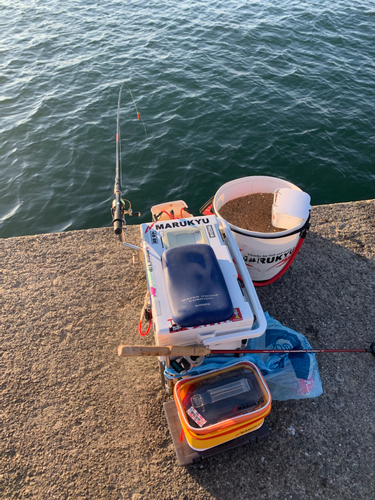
(294, 376)
(289, 376)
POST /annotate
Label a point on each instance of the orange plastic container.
(221, 405)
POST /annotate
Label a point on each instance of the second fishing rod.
(118, 204)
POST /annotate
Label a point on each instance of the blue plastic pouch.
(288, 376)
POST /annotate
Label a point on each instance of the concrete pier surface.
(77, 422)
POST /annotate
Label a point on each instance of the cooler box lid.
(197, 291)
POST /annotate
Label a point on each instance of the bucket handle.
(303, 234)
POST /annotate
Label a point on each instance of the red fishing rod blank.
(290, 351)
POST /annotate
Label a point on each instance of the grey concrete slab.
(79, 422)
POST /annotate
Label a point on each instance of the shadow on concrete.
(321, 447)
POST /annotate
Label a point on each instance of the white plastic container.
(290, 208)
(265, 254)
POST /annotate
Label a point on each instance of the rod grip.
(143, 350)
(118, 214)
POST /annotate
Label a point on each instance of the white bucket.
(265, 254)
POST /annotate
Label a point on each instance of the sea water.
(224, 89)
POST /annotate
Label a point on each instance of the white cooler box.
(196, 297)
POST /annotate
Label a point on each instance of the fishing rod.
(137, 350)
(118, 204)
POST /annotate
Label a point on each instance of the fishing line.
(118, 127)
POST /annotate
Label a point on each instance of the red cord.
(140, 327)
(169, 215)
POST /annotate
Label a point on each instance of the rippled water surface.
(225, 89)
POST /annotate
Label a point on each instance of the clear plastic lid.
(219, 393)
(225, 396)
